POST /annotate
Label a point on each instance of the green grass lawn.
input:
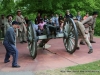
(85, 69)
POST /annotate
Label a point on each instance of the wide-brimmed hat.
(18, 10)
(67, 10)
(10, 15)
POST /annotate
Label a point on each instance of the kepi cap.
(10, 15)
(15, 23)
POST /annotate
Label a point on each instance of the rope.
(60, 55)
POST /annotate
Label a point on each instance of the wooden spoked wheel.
(32, 40)
(70, 38)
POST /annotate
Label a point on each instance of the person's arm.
(11, 37)
(86, 20)
(16, 18)
(71, 16)
(94, 24)
(80, 18)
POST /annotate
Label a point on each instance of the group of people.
(12, 28)
(6, 22)
(54, 20)
(84, 24)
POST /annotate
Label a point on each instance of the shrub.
(97, 27)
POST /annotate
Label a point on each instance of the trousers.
(11, 50)
(91, 33)
(22, 36)
(83, 35)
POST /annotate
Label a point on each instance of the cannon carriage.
(69, 36)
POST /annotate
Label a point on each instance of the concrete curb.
(17, 73)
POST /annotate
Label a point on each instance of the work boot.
(16, 66)
(90, 51)
(25, 41)
(7, 61)
(92, 41)
(82, 43)
(41, 44)
(21, 42)
(77, 48)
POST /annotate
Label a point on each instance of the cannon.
(69, 36)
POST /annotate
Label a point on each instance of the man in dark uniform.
(9, 44)
(68, 14)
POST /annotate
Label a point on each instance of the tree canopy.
(31, 7)
(48, 6)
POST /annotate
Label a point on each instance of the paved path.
(46, 60)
